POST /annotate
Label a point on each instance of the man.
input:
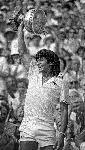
(42, 96)
(35, 79)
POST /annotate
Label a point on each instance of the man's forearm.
(64, 116)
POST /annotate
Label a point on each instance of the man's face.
(42, 65)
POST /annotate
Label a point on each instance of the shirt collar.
(50, 80)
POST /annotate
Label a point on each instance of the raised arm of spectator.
(4, 68)
(21, 44)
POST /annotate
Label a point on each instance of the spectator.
(4, 72)
(9, 35)
(6, 139)
(80, 51)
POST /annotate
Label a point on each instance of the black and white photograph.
(42, 75)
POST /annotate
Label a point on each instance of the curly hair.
(81, 48)
(52, 58)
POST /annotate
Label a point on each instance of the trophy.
(34, 20)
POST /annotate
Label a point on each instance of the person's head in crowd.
(31, 2)
(36, 40)
(5, 9)
(31, 5)
(9, 34)
(58, 6)
(48, 62)
(62, 36)
(11, 83)
(80, 51)
(66, 8)
(59, 19)
(62, 64)
(9, 59)
(67, 33)
(49, 40)
(75, 66)
(15, 59)
(80, 33)
(73, 84)
(22, 85)
(71, 33)
(11, 6)
(75, 34)
(50, 15)
(76, 100)
(45, 5)
(4, 109)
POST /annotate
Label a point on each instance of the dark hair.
(81, 48)
(64, 61)
(12, 58)
(51, 57)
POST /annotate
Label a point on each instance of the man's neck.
(46, 78)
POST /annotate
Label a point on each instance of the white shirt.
(41, 101)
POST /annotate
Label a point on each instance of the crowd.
(63, 35)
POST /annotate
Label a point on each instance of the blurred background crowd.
(65, 35)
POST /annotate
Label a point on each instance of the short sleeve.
(64, 96)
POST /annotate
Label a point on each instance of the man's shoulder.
(59, 80)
